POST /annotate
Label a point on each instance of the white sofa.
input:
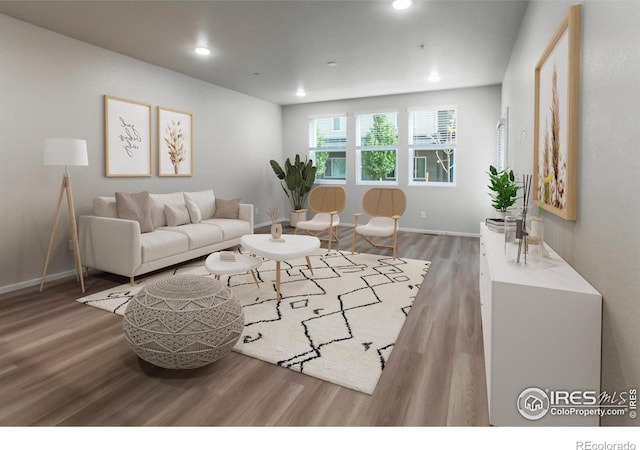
(116, 245)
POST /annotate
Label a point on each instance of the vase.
(512, 238)
(536, 235)
(276, 231)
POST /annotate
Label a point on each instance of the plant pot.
(294, 217)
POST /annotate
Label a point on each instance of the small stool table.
(243, 263)
(288, 247)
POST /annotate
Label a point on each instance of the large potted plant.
(296, 179)
(504, 189)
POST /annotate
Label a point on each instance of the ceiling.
(269, 49)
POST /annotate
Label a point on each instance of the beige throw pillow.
(135, 206)
(205, 200)
(176, 215)
(227, 209)
(194, 211)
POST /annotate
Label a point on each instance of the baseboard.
(408, 230)
(36, 281)
(69, 273)
(423, 231)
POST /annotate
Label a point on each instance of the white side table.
(243, 263)
(290, 246)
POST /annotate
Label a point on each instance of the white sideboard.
(541, 327)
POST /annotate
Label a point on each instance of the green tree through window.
(378, 163)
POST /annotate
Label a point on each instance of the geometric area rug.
(339, 324)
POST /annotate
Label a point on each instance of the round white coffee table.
(289, 246)
(243, 263)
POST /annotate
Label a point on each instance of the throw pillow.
(205, 200)
(194, 210)
(135, 206)
(227, 209)
(176, 215)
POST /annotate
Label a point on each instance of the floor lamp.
(65, 152)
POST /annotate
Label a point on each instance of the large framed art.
(556, 108)
(175, 143)
(127, 136)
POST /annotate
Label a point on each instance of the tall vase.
(276, 231)
(536, 236)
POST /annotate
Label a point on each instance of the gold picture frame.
(556, 109)
(175, 143)
(127, 138)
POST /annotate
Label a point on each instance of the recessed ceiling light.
(434, 77)
(301, 93)
(332, 64)
(203, 51)
(401, 4)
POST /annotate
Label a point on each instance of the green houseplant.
(504, 188)
(296, 179)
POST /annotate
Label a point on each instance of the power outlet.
(70, 245)
(257, 211)
(423, 214)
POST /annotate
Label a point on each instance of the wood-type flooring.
(64, 363)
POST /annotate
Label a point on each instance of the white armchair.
(327, 202)
(384, 206)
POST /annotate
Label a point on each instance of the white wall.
(602, 244)
(456, 209)
(53, 86)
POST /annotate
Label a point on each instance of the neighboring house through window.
(327, 147)
(432, 145)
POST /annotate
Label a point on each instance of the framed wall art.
(556, 108)
(175, 143)
(127, 136)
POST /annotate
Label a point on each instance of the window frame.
(412, 148)
(312, 128)
(371, 148)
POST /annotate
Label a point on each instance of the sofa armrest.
(109, 244)
(246, 213)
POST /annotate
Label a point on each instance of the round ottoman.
(183, 322)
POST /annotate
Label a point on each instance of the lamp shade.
(65, 152)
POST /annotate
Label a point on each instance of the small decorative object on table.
(227, 256)
(276, 228)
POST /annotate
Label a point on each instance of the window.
(501, 151)
(376, 148)
(432, 146)
(327, 147)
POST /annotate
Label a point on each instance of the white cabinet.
(541, 327)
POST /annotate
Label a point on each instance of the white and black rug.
(339, 324)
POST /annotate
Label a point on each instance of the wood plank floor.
(63, 363)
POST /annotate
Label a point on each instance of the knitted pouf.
(183, 322)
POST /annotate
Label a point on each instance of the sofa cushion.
(176, 215)
(135, 206)
(161, 244)
(231, 229)
(205, 200)
(194, 212)
(157, 206)
(105, 207)
(227, 209)
(198, 234)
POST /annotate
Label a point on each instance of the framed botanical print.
(556, 109)
(175, 143)
(127, 136)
